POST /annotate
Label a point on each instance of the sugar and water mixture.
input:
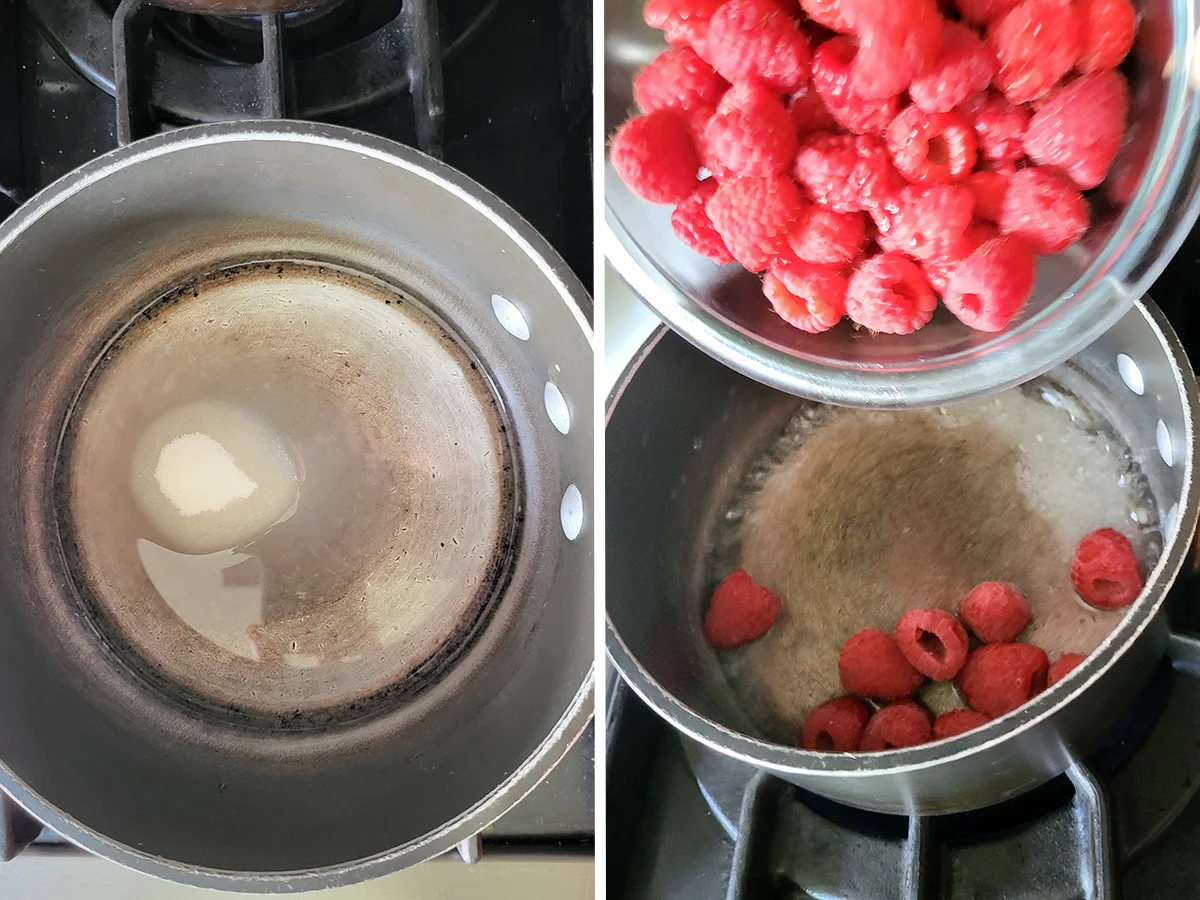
(853, 517)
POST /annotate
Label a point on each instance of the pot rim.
(578, 713)
(795, 761)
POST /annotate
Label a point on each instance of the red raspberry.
(1000, 677)
(999, 126)
(740, 612)
(827, 13)
(991, 285)
(871, 665)
(691, 224)
(988, 189)
(963, 67)
(809, 113)
(828, 238)
(681, 21)
(1036, 43)
(832, 69)
(846, 174)
(889, 294)
(939, 269)
(933, 642)
(1045, 209)
(983, 12)
(957, 721)
(1061, 667)
(677, 79)
(931, 148)
(1105, 570)
(995, 612)
(755, 217)
(1080, 130)
(902, 724)
(751, 40)
(898, 39)
(751, 134)
(929, 222)
(836, 726)
(655, 157)
(811, 298)
(1108, 30)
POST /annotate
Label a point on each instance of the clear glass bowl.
(1079, 294)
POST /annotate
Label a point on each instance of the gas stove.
(450, 77)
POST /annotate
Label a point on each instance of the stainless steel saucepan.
(361, 723)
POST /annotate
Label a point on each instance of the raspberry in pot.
(989, 189)
(1080, 129)
(939, 269)
(836, 726)
(990, 286)
(956, 722)
(929, 222)
(829, 238)
(1036, 43)
(889, 294)
(749, 40)
(806, 296)
(995, 612)
(825, 165)
(901, 724)
(692, 226)
(1105, 570)
(740, 612)
(897, 38)
(1045, 209)
(827, 13)
(680, 21)
(1000, 677)
(871, 665)
(999, 126)
(751, 134)
(655, 156)
(677, 79)
(931, 148)
(933, 642)
(1109, 27)
(755, 216)
(1061, 667)
(964, 66)
(832, 70)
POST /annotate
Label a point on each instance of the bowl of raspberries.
(894, 203)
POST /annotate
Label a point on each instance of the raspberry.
(836, 726)
(999, 126)
(939, 269)
(1061, 667)
(903, 724)
(989, 189)
(1108, 30)
(931, 148)
(811, 298)
(751, 40)
(963, 67)
(809, 113)
(991, 285)
(845, 174)
(1080, 130)
(897, 38)
(681, 21)
(691, 224)
(1000, 677)
(889, 294)
(1105, 570)
(828, 238)
(755, 217)
(655, 157)
(933, 642)
(995, 612)
(983, 12)
(751, 133)
(740, 612)
(1045, 209)
(957, 721)
(832, 69)
(827, 13)
(1036, 43)
(929, 222)
(677, 79)
(871, 665)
